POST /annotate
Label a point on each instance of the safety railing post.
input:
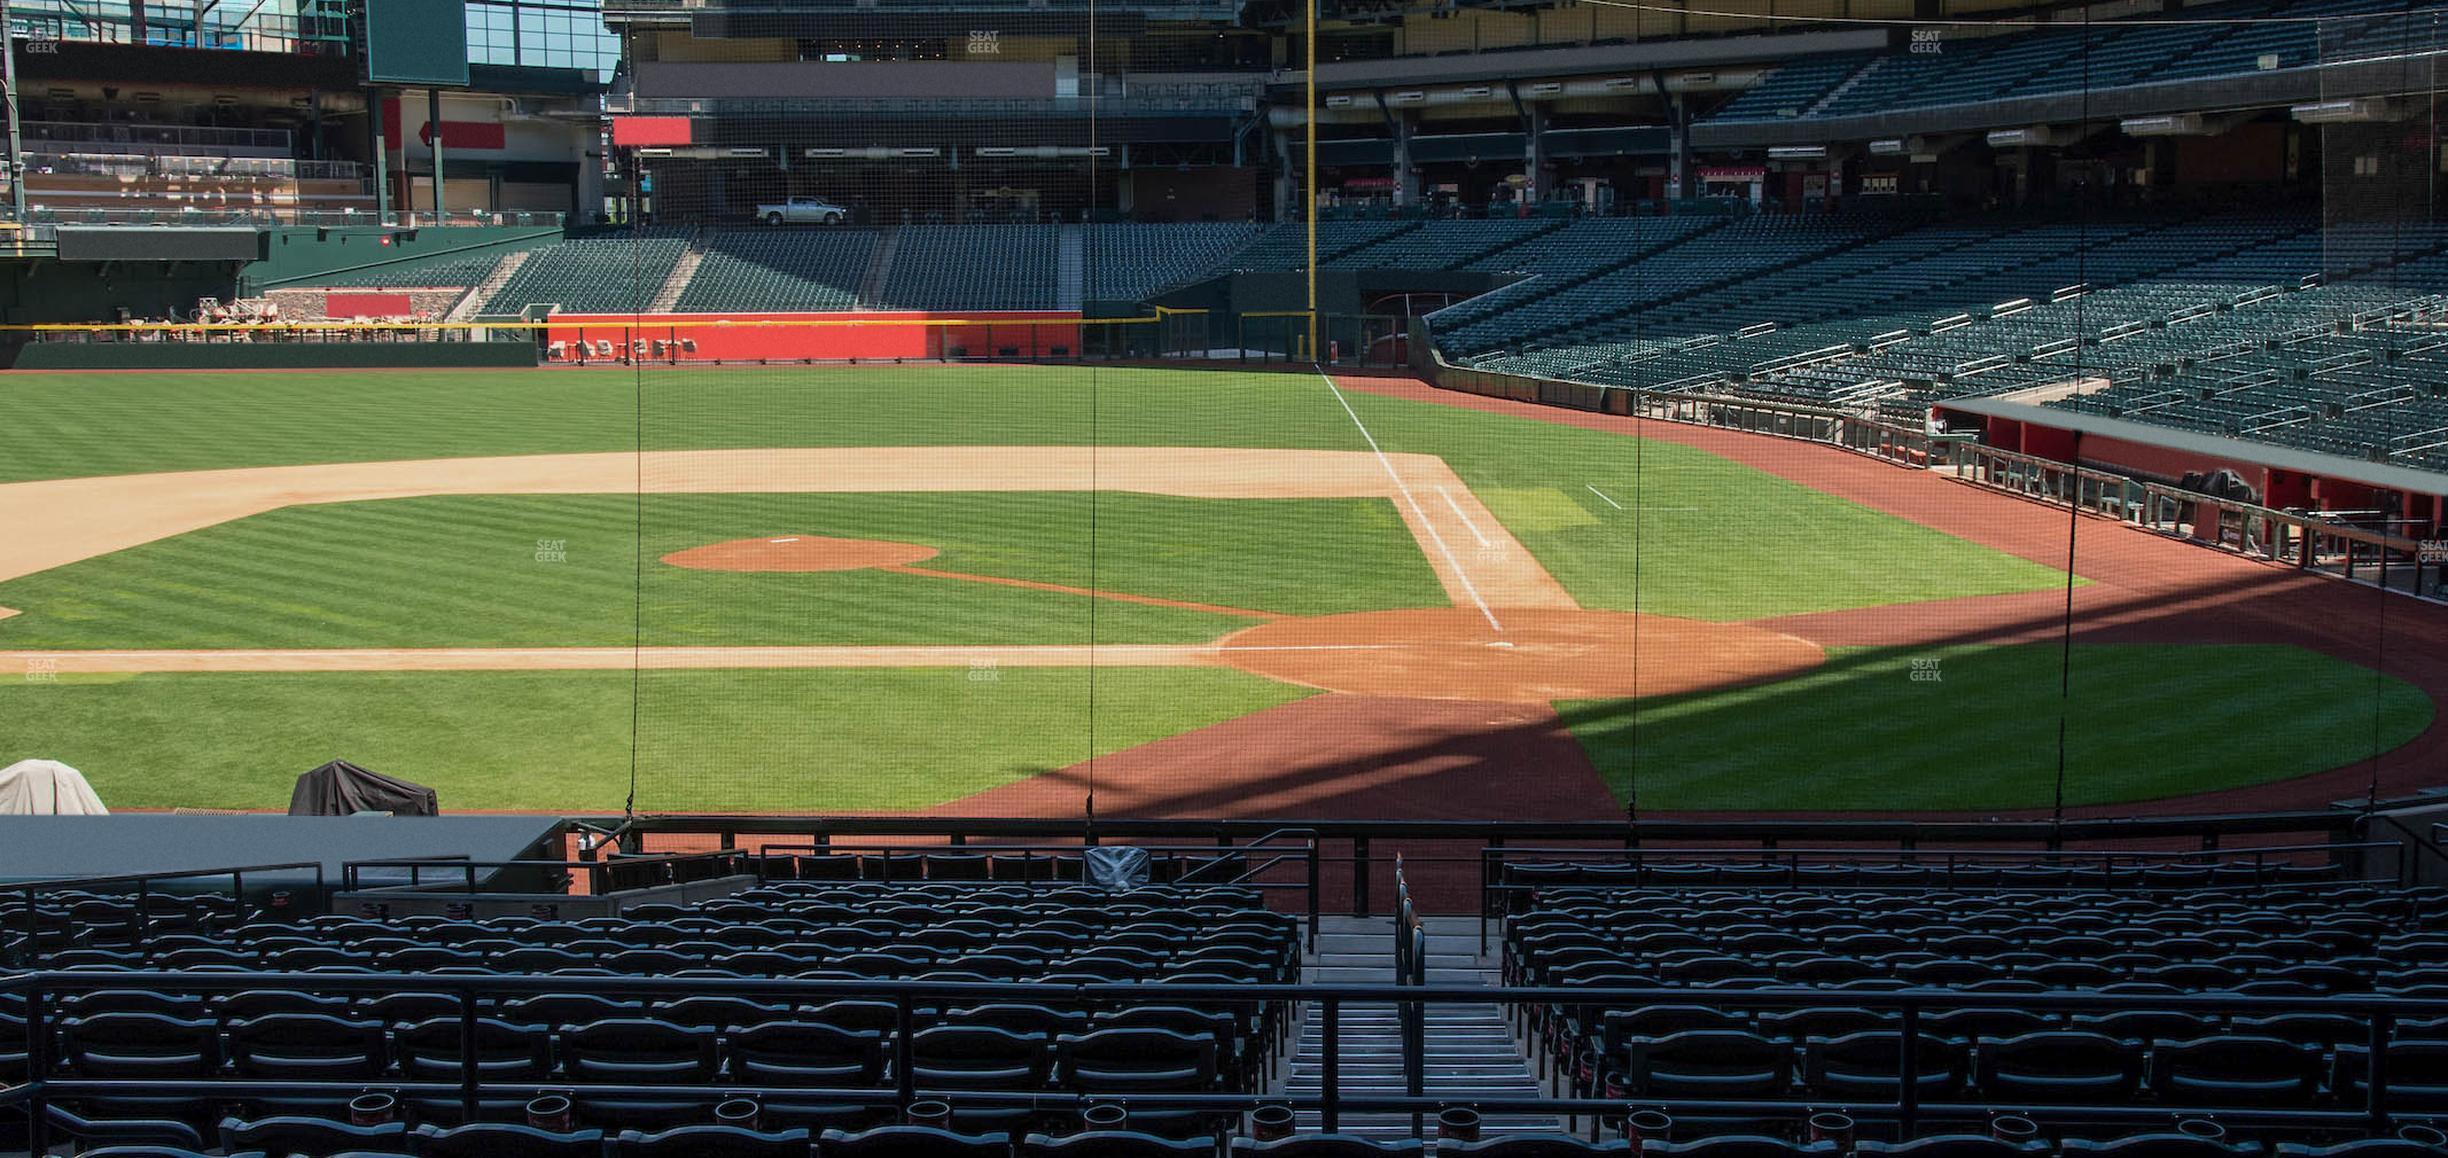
(905, 1031)
(1330, 1072)
(1360, 876)
(2375, 1094)
(469, 1067)
(1908, 1065)
(1314, 905)
(38, 1070)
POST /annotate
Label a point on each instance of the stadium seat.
(1113, 1144)
(310, 1137)
(711, 1142)
(1326, 1146)
(909, 1142)
(499, 1140)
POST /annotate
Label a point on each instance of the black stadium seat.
(909, 1142)
(1113, 1144)
(310, 1137)
(502, 1140)
(711, 1142)
(1325, 1146)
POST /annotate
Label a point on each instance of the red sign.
(455, 134)
(367, 305)
(635, 131)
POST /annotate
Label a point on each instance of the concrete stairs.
(1471, 1052)
(1841, 88)
(675, 283)
(1071, 268)
(879, 268)
(503, 271)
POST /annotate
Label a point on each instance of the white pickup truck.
(803, 211)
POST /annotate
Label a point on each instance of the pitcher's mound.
(1541, 655)
(799, 553)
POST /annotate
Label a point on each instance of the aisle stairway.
(675, 283)
(1071, 269)
(1471, 1055)
(879, 267)
(474, 303)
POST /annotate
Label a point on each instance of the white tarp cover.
(47, 788)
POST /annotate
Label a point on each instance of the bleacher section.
(2284, 1001)
(1860, 930)
(456, 272)
(1284, 247)
(1439, 245)
(1905, 316)
(604, 274)
(975, 267)
(1736, 251)
(2187, 44)
(770, 269)
(1130, 262)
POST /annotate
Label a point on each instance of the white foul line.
(1466, 519)
(1408, 497)
(1602, 495)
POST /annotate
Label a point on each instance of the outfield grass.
(1862, 733)
(823, 740)
(466, 572)
(74, 425)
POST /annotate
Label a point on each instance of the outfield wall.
(271, 355)
(813, 337)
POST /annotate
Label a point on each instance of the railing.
(2369, 1109)
(181, 26)
(141, 138)
(1411, 972)
(2360, 863)
(40, 217)
(1345, 854)
(2288, 538)
(603, 876)
(141, 885)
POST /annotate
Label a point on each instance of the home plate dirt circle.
(1540, 655)
(799, 553)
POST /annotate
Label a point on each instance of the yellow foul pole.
(1309, 181)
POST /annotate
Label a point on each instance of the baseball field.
(981, 589)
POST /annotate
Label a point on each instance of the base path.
(1541, 655)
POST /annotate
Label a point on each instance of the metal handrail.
(139, 918)
(1411, 972)
(41, 990)
(598, 870)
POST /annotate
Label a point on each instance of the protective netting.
(1009, 452)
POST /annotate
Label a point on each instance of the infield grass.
(561, 570)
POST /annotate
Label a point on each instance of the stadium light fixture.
(1889, 147)
(2169, 125)
(2037, 136)
(1797, 152)
(2351, 111)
